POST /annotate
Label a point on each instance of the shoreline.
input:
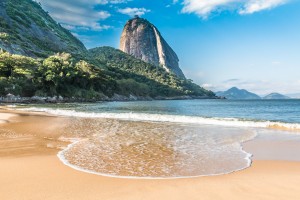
(165, 118)
(37, 173)
(116, 97)
(66, 163)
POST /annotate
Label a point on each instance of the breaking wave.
(229, 122)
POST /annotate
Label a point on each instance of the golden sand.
(30, 169)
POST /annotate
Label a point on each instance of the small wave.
(62, 158)
(230, 122)
(234, 152)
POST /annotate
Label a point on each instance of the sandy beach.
(30, 169)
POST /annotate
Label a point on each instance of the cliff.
(142, 40)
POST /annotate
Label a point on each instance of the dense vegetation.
(56, 75)
(63, 75)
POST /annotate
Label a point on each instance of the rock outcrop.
(142, 40)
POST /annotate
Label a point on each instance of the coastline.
(116, 97)
(67, 163)
(33, 171)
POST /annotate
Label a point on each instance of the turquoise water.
(286, 111)
(272, 110)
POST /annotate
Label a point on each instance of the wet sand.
(30, 169)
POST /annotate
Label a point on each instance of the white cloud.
(79, 14)
(133, 11)
(204, 8)
(208, 86)
(257, 5)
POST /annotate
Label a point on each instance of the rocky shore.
(41, 100)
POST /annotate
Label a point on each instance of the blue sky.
(252, 44)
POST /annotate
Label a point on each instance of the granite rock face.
(142, 40)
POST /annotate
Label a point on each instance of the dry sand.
(30, 170)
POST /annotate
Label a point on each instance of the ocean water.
(168, 139)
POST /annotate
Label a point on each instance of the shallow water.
(156, 150)
(285, 111)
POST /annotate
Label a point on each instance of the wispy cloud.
(231, 80)
(257, 5)
(204, 8)
(133, 11)
(79, 14)
(276, 63)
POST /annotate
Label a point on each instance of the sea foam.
(164, 153)
(229, 122)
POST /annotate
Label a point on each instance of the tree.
(16, 66)
(16, 74)
(56, 71)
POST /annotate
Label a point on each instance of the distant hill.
(26, 29)
(235, 93)
(276, 96)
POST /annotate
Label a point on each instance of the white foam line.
(62, 158)
(142, 117)
(232, 122)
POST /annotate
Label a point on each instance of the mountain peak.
(234, 89)
(236, 93)
(276, 96)
(142, 40)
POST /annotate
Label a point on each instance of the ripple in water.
(156, 150)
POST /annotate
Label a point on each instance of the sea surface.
(168, 139)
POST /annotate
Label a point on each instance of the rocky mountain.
(142, 40)
(235, 93)
(276, 96)
(26, 29)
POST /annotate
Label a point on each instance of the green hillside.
(156, 78)
(26, 29)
